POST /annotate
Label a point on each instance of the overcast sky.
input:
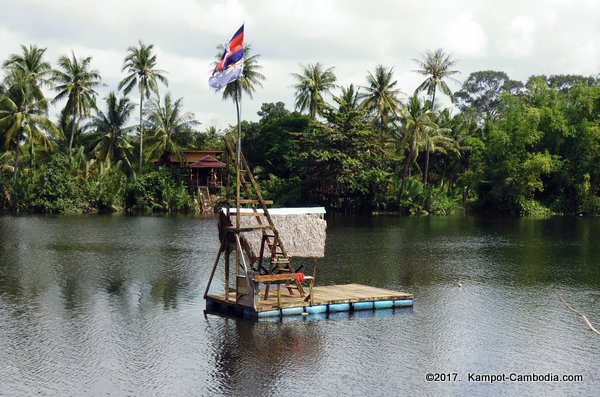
(520, 37)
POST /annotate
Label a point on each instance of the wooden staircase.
(279, 261)
(206, 203)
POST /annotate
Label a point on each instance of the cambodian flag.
(231, 65)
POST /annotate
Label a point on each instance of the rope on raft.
(578, 312)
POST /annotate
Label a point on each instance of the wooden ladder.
(279, 259)
(205, 201)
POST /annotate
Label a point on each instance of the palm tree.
(109, 139)
(21, 115)
(436, 140)
(436, 66)
(76, 82)
(417, 123)
(30, 68)
(27, 74)
(311, 84)
(349, 99)
(250, 79)
(170, 127)
(381, 96)
(5, 167)
(140, 64)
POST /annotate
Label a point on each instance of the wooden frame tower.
(247, 275)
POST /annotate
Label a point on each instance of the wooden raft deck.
(348, 297)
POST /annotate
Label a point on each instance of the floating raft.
(327, 299)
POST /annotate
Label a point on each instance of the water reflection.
(251, 357)
(113, 305)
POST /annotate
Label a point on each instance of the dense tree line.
(91, 158)
(504, 146)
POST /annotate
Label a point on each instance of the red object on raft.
(300, 277)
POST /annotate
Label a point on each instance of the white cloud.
(519, 41)
(521, 38)
(466, 37)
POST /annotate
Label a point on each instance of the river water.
(113, 306)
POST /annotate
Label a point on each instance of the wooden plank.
(249, 228)
(250, 201)
(348, 293)
(275, 277)
(259, 214)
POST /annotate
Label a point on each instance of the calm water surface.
(113, 306)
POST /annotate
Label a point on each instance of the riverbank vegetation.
(496, 144)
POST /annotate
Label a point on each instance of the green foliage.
(52, 189)
(105, 189)
(311, 84)
(155, 191)
(481, 91)
(170, 128)
(340, 159)
(533, 207)
(209, 139)
(272, 144)
(439, 202)
(287, 192)
(514, 148)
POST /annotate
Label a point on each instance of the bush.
(155, 191)
(439, 203)
(591, 205)
(533, 207)
(52, 189)
(104, 191)
(283, 192)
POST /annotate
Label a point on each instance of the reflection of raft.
(265, 241)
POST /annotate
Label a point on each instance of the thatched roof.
(302, 231)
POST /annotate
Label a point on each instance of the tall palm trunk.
(141, 130)
(426, 173)
(32, 156)
(16, 170)
(411, 153)
(71, 137)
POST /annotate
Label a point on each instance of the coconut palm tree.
(311, 84)
(76, 82)
(417, 123)
(170, 127)
(436, 66)
(435, 140)
(140, 64)
(22, 116)
(349, 99)
(29, 67)
(381, 95)
(110, 131)
(5, 168)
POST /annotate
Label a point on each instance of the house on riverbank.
(203, 172)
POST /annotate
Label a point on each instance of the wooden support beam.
(212, 273)
(275, 277)
(247, 201)
(249, 228)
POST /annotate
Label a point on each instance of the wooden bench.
(285, 278)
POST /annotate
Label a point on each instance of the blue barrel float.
(362, 306)
(316, 309)
(384, 304)
(339, 307)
